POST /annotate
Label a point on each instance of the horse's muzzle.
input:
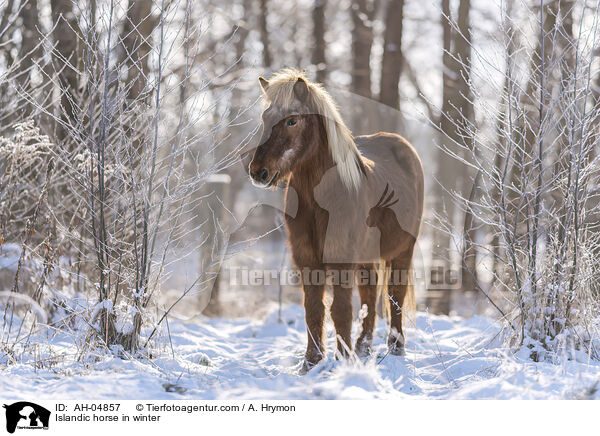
(263, 177)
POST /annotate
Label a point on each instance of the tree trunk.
(362, 13)
(137, 33)
(499, 158)
(462, 51)
(393, 59)
(264, 34)
(65, 38)
(439, 297)
(318, 54)
(28, 51)
(227, 193)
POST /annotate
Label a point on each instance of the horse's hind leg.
(341, 314)
(397, 289)
(368, 299)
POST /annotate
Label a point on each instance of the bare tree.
(537, 205)
(447, 168)
(117, 200)
(464, 104)
(223, 190)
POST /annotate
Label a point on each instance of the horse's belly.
(351, 244)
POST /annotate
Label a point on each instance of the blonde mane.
(342, 147)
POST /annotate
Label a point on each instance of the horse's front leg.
(368, 298)
(315, 316)
(341, 314)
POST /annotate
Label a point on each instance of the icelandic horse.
(351, 204)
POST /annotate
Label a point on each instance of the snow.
(9, 256)
(447, 358)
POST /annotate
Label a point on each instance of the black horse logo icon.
(26, 414)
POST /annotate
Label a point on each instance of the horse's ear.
(264, 83)
(301, 90)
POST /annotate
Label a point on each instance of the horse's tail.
(409, 307)
(384, 270)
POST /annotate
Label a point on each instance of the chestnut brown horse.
(352, 204)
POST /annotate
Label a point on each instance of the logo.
(26, 415)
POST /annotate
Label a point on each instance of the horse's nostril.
(264, 174)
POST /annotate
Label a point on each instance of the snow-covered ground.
(447, 357)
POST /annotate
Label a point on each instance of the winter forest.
(139, 260)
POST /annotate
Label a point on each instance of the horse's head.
(288, 136)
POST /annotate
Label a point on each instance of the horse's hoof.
(396, 345)
(342, 354)
(306, 366)
(309, 363)
(396, 350)
(363, 349)
(339, 356)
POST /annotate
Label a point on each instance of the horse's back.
(385, 147)
(394, 162)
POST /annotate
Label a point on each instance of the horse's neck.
(305, 179)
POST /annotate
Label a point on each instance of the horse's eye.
(291, 122)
